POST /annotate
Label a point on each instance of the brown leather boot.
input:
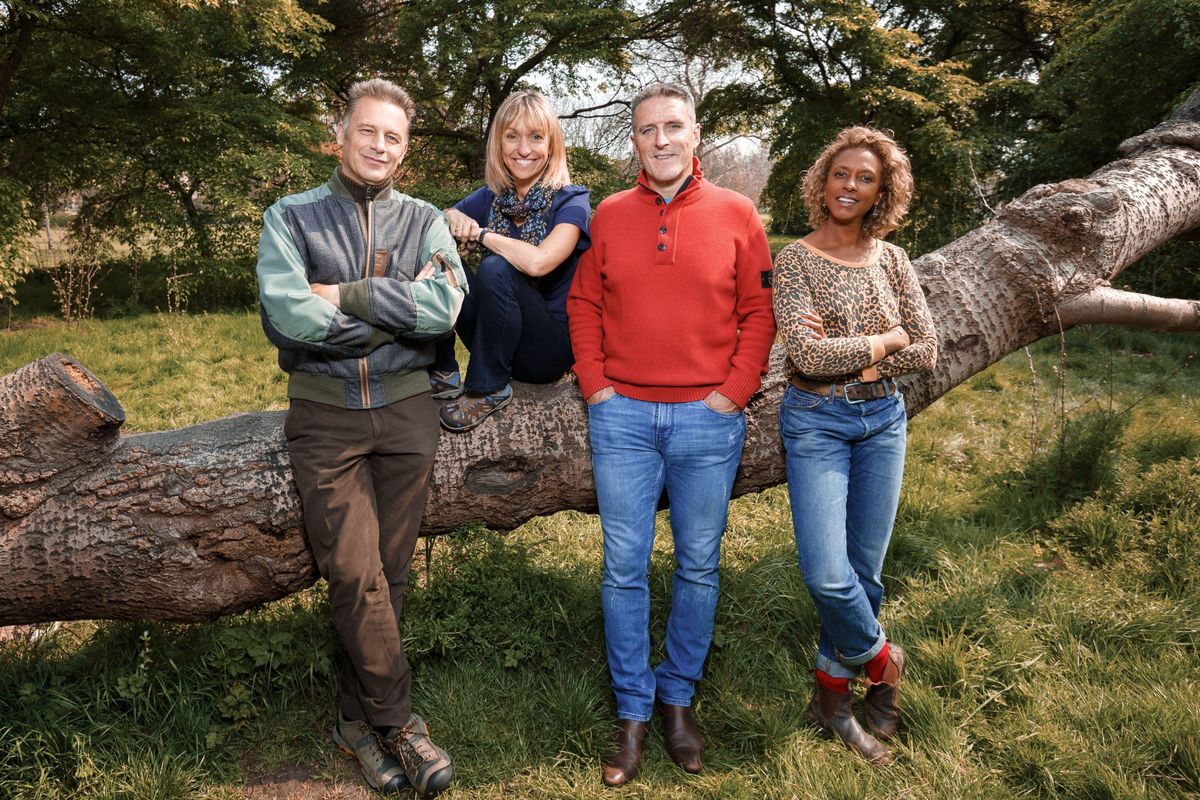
(621, 764)
(685, 743)
(881, 706)
(830, 712)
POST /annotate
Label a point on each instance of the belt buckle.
(846, 393)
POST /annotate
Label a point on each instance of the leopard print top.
(854, 301)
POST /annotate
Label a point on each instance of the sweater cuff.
(739, 387)
(878, 351)
(356, 300)
(591, 378)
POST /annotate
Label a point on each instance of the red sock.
(877, 665)
(827, 681)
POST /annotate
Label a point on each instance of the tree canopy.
(177, 122)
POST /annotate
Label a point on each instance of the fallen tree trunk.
(203, 521)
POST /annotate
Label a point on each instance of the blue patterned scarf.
(534, 211)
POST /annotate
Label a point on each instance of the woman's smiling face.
(853, 184)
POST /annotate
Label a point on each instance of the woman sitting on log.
(532, 224)
(843, 420)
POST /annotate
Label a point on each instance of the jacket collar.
(690, 187)
(360, 193)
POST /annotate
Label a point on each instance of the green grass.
(1044, 578)
(168, 370)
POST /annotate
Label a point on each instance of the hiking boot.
(469, 410)
(427, 766)
(380, 770)
(445, 385)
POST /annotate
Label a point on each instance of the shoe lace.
(414, 747)
(376, 747)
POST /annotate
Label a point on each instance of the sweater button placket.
(662, 226)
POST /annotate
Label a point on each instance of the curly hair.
(896, 184)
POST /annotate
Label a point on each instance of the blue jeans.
(844, 466)
(508, 328)
(637, 448)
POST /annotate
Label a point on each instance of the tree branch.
(583, 112)
(1109, 306)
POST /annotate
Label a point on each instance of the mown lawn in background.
(168, 370)
(1046, 585)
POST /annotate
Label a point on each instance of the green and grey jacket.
(372, 243)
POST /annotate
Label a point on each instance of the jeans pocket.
(722, 414)
(603, 402)
(796, 400)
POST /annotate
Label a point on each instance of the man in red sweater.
(671, 325)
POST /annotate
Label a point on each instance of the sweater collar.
(690, 186)
(361, 193)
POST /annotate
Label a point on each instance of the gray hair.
(662, 90)
(379, 89)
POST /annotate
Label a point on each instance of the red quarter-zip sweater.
(672, 300)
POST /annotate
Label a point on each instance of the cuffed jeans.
(845, 462)
(509, 329)
(637, 447)
(363, 477)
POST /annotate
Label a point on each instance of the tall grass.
(1047, 588)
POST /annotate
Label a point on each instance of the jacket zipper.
(369, 237)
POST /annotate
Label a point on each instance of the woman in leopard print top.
(843, 420)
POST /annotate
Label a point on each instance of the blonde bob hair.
(532, 110)
(896, 184)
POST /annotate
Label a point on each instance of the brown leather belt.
(852, 392)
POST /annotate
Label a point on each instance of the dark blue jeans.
(509, 329)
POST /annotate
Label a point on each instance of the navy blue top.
(570, 205)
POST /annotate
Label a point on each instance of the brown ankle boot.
(621, 764)
(830, 712)
(881, 706)
(685, 743)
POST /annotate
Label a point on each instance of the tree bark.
(203, 521)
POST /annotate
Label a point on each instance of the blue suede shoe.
(446, 385)
(469, 410)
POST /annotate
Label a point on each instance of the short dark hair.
(662, 90)
(379, 89)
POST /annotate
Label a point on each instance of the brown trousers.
(363, 477)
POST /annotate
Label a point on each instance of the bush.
(1083, 459)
